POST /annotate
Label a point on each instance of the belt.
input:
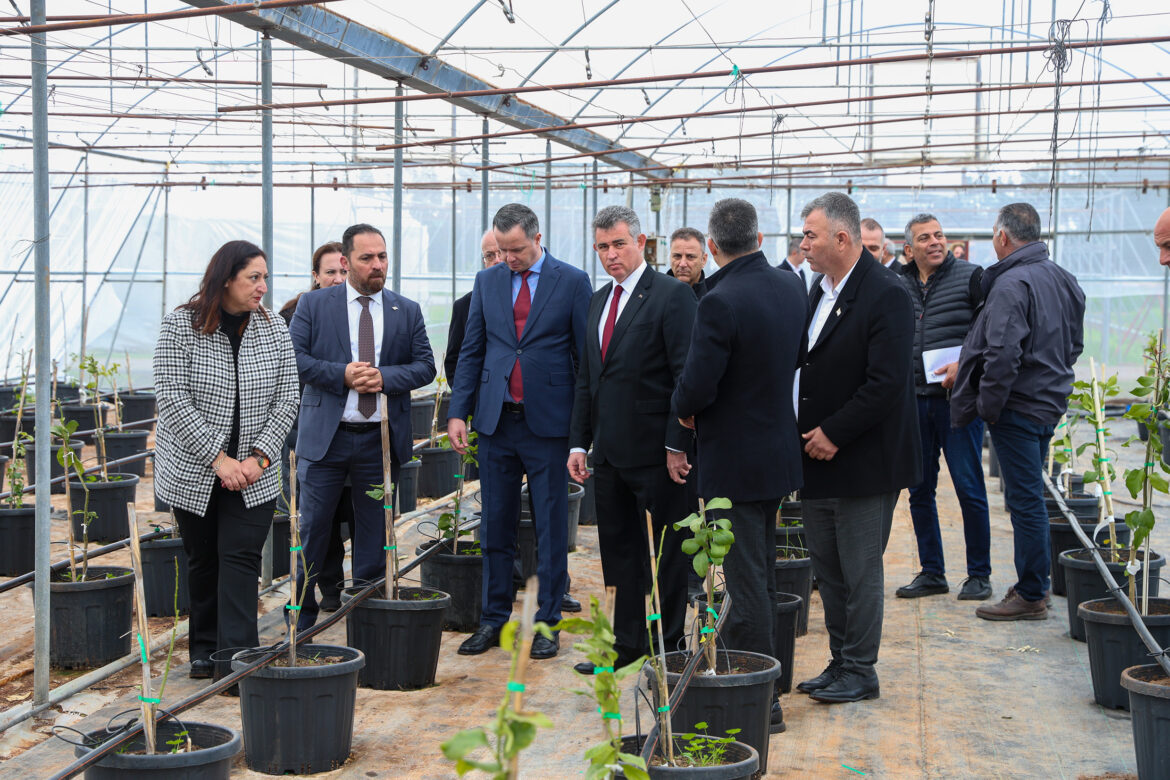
(514, 408)
(365, 427)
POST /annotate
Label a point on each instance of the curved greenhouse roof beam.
(455, 29)
(572, 35)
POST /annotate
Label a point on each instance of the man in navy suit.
(736, 392)
(353, 341)
(516, 375)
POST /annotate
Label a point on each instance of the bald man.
(491, 255)
(1162, 238)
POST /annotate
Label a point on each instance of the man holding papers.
(946, 293)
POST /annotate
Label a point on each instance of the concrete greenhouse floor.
(961, 697)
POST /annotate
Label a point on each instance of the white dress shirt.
(803, 271)
(354, 310)
(820, 317)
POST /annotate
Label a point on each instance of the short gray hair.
(918, 219)
(611, 216)
(1020, 221)
(734, 227)
(689, 233)
(840, 209)
(869, 223)
(515, 214)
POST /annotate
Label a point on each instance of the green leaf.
(1134, 480)
(700, 564)
(575, 625)
(464, 742)
(1159, 482)
(690, 546)
(508, 635)
(718, 503)
(631, 668)
(633, 772)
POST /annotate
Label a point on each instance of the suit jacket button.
(519, 352)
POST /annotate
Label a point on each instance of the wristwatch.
(261, 459)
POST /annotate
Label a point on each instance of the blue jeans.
(963, 449)
(1022, 446)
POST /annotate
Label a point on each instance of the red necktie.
(520, 311)
(610, 320)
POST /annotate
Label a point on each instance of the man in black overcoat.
(860, 429)
(736, 390)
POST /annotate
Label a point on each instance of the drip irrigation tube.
(27, 577)
(1156, 652)
(91, 470)
(77, 434)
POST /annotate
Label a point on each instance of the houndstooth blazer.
(195, 384)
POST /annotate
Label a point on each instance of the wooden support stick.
(1102, 459)
(148, 705)
(390, 588)
(527, 618)
(129, 376)
(294, 531)
(656, 603)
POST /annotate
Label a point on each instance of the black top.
(455, 334)
(232, 326)
(944, 308)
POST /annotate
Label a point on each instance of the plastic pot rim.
(161, 761)
(734, 679)
(1086, 612)
(355, 661)
(400, 605)
(1143, 687)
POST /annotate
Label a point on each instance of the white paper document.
(934, 359)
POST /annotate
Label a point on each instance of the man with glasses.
(491, 256)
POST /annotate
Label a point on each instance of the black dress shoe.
(330, 603)
(925, 583)
(849, 686)
(975, 589)
(543, 647)
(570, 604)
(202, 669)
(822, 680)
(585, 667)
(484, 639)
(776, 725)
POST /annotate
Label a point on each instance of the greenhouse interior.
(688, 201)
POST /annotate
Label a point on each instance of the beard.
(371, 285)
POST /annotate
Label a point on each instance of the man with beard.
(353, 341)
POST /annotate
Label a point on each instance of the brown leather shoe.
(1014, 607)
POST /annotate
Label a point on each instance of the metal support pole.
(1165, 282)
(266, 157)
(483, 183)
(166, 237)
(586, 243)
(312, 210)
(1052, 229)
(396, 238)
(454, 234)
(686, 191)
(40, 122)
(547, 194)
(85, 263)
(593, 265)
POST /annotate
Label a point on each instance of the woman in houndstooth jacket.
(226, 380)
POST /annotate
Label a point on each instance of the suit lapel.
(499, 287)
(638, 297)
(550, 274)
(339, 309)
(596, 312)
(845, 300)
(391, 316)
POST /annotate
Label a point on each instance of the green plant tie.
(610, 715)
(1100, 430)
(713, 613)
(142, 647)
(1151, 465)
(1106, 492)
(655, 616)
(665, 708)
(735, 71)
(387, 506)
(600, 669)
(457, 476)
(391, 547)
(851, 769)
(149, 700)
(1102, 460)
(295, 549)
(292, 606)
(515, 687)
(706, 630)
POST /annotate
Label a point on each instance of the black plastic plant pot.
(89, 621)
(83, 415)
(55, 468)
(588, 513)
(740, 699)
(123, 445)
(460, 576)
(422, 411)
(68, 392)
(400, 638)
(407, 487)
(1083, 506)
(215, 748)
(1061, 537)
(108, 501)
(138, 405)
(299, 720)
(436, 475)
(790, 510)
(8, 428)
(790, 539)
(794, 575)
(280, 541)
(1114, 645)
(160, 505)
(3, 470)
(17, 540)
(741, 762)
(1084, 582)
(784, 622)
(992, 461)
(1149, 705)
(164, 577)
(576, 496)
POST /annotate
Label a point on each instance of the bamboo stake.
(69, 473)
(1156, 361)
(656, 603)
(709, 581)
(129, 376)
(390, 588)
(148, 703)
(520, 662)
(1102, 460)
(294, 604)
(439, 382)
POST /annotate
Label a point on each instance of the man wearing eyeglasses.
(491, 256)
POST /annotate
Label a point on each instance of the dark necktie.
(803, 278)
(610, 320)
(520, 311)
(367, 403)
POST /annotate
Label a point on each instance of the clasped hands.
(363, 377)
(237, 475)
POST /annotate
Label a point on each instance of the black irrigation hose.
(1157, 652)
(77, 434)
(59, 565)
(91, 470)
(264, 658)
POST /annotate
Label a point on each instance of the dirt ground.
(961, 697)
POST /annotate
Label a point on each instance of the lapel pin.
(639, 295)
(395, 308)
(838, 311)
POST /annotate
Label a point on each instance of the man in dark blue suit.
(516, 375)
(353, 341)
(736, 392)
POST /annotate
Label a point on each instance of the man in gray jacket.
(946, 293)
(1016, 371)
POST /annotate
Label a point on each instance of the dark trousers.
(504, 458)
(846, 540)
(358, 457)
(963, 449)
(749, 570)
(1022, 445)
(623, 498)
(223, 565)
